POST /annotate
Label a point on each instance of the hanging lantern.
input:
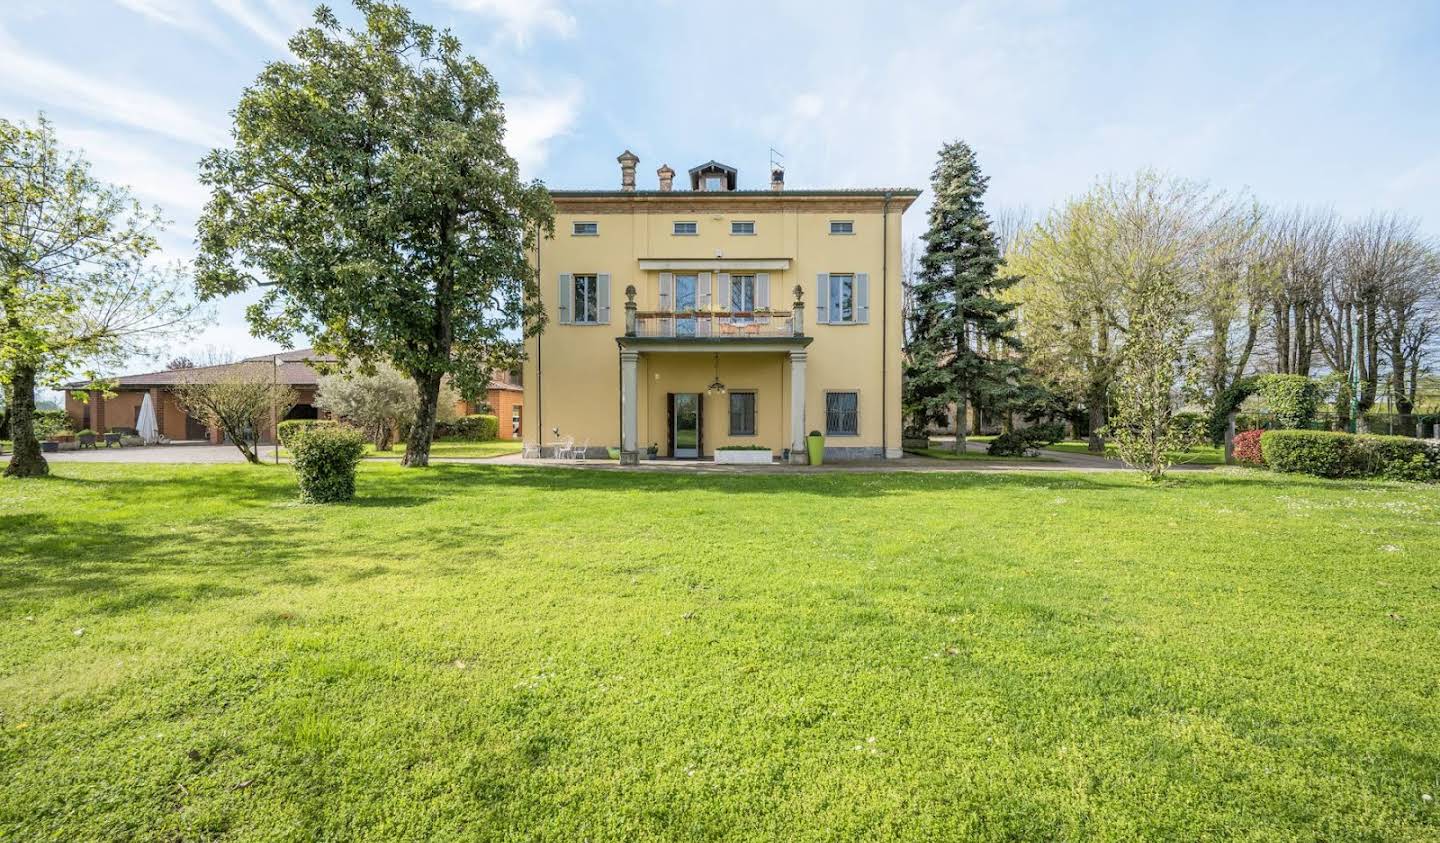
(716, 387)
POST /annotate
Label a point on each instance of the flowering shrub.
(1247, 448)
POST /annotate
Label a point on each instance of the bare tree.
(239, 399)
(1407, 328)
(1010, 223)
(1377, 256)
(1306, 242)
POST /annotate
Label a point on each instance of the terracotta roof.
(292, 371)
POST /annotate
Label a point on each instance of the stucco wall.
(572, 371)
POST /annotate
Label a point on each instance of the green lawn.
(1199, 455)
(454, 448)
(945, 453)
(487, 652)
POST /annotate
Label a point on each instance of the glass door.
(687, 289)
(687, 425)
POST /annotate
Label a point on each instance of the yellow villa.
(686, 321)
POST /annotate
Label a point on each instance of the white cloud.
(531, 122)
(272, 22)
(155, 178)
(54, 85)
(807, 106)
(520, 19)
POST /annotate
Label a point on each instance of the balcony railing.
(717, 324)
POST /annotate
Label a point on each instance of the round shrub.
(325, 458)
(1026, 441)
(287, 430)
(1247, 448)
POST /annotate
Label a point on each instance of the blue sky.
(1310, 103)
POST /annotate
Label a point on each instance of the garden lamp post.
(274, 413)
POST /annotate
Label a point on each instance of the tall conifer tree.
(962, 331)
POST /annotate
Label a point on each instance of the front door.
(687, 425)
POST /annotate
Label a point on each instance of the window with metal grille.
(842, 413)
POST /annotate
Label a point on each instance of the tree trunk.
(1097, 420)
(27, 461)
(417, 447)
(237, 438)
(962, 423)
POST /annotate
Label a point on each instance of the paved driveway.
(161, 453)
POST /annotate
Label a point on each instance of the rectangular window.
(685, 228)
(586, 299)
(842, 226)
(842, 414)
(742, 227)
(842, 298)
(585, 229)
(742, 292)
(742, 414)
(515, 420)
(713, 183)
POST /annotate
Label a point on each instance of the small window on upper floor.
(714, 183)
(742, 227)
(842, 226)
(585, 229)
(685, 228)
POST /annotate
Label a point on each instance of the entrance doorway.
(686, 431)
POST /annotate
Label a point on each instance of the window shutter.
(667, 291)
(703, 296)
(862, 297)
(567, 295)
(762, 291)
(822, 299)
(727, 296)
(602, 298)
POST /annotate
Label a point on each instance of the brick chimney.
(777, 178)
(627, 160)
(667, 177)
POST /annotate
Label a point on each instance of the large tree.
(962, 332)
(78, 291)
(370, 195)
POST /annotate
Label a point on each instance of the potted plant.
(86, 437)
(653, 451)
(815, 446)
(112, 438)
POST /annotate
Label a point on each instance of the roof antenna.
(777, 170)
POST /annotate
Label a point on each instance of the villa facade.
(690, 320)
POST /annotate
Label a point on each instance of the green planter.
(815, 445)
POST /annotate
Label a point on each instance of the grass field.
(1199, 455)
(454, 448)
(482, 652)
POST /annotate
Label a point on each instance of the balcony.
(716, 325)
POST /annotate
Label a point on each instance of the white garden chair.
(564, 448)
(530, 451)
(577, 452)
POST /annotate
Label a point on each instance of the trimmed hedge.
(286, 431)
(1333, 454)
(477, 427)
(325, 457)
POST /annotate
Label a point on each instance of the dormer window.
(712, 177)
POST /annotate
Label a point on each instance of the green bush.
(1026, 441)
(1292, 399)
(743, 448)
(325, 458)
(477, 427)
(50, 423)
(288, 430)
(1334, 454)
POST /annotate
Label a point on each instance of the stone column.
(629, 406)
(797, 408)
(630, 310)
(797, 325)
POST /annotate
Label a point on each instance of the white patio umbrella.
(146, 426)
